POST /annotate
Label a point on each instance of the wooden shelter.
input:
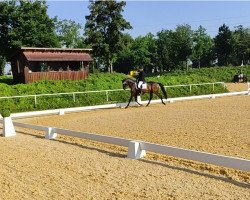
(33, 64)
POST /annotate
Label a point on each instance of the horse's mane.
(129, 80)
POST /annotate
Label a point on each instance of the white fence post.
(61, 112)
(8, 127)
(107, 96)
(135, 151)
(50, 134)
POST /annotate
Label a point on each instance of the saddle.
(143, 86)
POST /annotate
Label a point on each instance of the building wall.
(18, 63)
(25, 71)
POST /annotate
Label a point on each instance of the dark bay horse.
(152, 88)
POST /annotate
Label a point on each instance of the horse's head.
(128, 82)
(124, 84)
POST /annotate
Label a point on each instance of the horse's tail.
(163, 90)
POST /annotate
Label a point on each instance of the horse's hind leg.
(159, 95)
(150, 98)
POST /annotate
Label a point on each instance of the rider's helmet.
(141, 68)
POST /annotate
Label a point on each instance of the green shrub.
(5, 112)
(107, 81)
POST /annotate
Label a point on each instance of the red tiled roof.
(57, 56)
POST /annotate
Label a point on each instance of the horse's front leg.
(129, 101)
(137, 100)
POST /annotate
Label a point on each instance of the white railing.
(65, 93)
(198, 84)
(137, 149)
(35, 96)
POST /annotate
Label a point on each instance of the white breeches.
(140, 84)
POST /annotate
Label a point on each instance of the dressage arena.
(32, 167)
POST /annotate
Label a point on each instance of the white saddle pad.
(144, 86)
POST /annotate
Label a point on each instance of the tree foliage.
(68, 32)
(103, 30)
(165, 50)
(25, 23)
(202, 48)
(175, 49)
(183, 43)
(125, 58)
(241, 45)
(223, 45)
(2, 65)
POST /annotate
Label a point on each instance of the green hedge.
(224, 74)
(106, 81)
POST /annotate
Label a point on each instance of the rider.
(241, 74)
(140, 78)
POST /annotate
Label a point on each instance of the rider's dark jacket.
(141, 77)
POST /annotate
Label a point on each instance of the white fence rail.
(137, 149)
(199, 84)
(107, 92)
(215, 159)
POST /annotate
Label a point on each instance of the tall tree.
(125, 58)
(183, 43)
(2, 65)
(152, 49)
(25, 23)
(202, 48)
(68, 32)
(223, 45)
(144, 51)
(103, 30)
(165, 51)
(241, 45)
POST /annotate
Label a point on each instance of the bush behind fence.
(39, 102)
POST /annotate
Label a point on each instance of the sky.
(154, 16)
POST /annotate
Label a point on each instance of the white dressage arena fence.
(137, 149)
